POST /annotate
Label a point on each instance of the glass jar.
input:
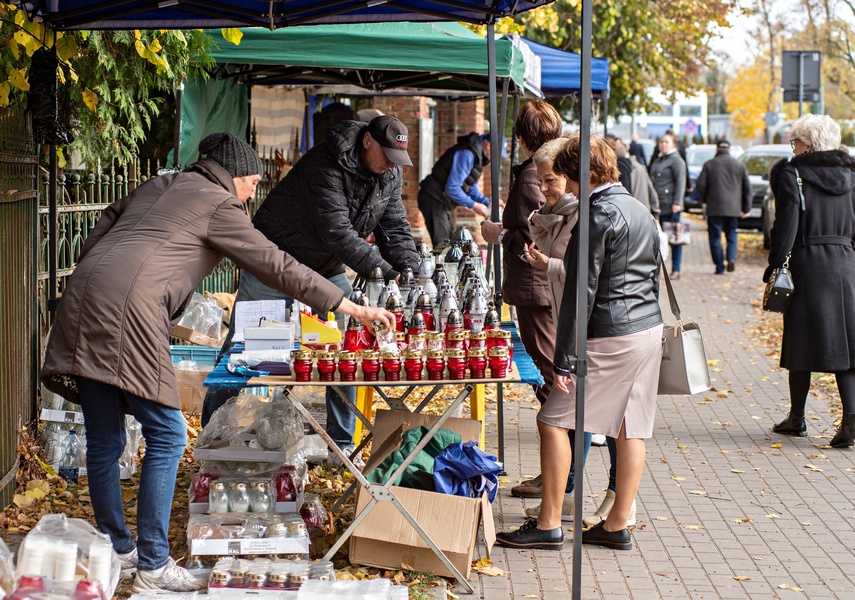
(219, 578)
(500, 361)
(238, 497)
(435, 364)
(370, 365)
(457, 339)
(502, 338)
(477, 362)
(347, 366)
(326, 366)
(456, 360)
(414, 362)
(237, 575)
(276, 530)
(436, 341)
(260, 497)
(391, 366)
(401, 341)
(417, 341)
(218, 499)
(257, 578)
(302, 365)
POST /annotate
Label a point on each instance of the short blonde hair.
(547, 153)
(820, 132)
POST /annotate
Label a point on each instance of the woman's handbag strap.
(672, 298)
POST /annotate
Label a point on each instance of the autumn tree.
(648, 43)
(110, 82)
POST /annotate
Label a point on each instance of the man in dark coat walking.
(724, 187)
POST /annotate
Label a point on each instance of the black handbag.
(779, 290)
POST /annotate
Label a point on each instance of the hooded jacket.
(326, 206)
(819, 325)
(623, 274)
(137, 270)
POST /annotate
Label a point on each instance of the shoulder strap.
(672, 298)
(801, 191)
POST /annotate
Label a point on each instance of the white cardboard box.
(223, 547)
(62, 416)
(270, 338)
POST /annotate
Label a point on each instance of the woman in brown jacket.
(109, 347)
(523, 286)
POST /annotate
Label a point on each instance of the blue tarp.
(560, 71)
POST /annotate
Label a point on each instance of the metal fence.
(19, 358)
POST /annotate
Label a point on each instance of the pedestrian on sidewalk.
(668, 172)
(642, 187)
(814, 229)
(109, 346)
(523, 286)
(724, 187)
(624, 350)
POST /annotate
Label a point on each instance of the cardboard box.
(191, 388)
(269, 338)
(194, 337)
(315, 331)
(386, 540)
(62, 416)
(241, 546)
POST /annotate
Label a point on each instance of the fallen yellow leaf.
(491, 571)
(779, 445)
(692, 527)
(737, 471)
(773, 516)
(679, 478)
(741, 578)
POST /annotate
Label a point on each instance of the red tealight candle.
(435, 364)
(477, 362)
(326, 366)
(413, 363)
(499, 362)
(370, 365)
(391, 366)
(303, 365)
(347, 366)
(456, 363)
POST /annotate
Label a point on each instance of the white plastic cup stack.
(101, 562)
(33, 553)
(65, 560)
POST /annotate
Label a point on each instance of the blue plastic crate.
(204, 357)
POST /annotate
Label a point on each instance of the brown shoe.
(531, 488)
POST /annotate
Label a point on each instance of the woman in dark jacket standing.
(668, 172)
(624, 327)
(109, 346)
(523, 286)
(819, 325)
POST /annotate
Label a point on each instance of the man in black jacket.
(724, 187)
(337, 194)
(454, 182)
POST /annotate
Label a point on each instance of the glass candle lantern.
(326, 366)
(370, 365)
(456, 361)
(347, 366)
(477, 362)
(436, 341)
(478, 339)
(500, 362)
(391, 366)
(413, 364)
(238, 497)
(417, 341)
(457, 339)
(218, 499)
(503, 338)
(260, 497)
(302, 365)
(401, 342)
(435, 364)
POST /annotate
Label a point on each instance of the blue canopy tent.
(192, 14)
(560, 71)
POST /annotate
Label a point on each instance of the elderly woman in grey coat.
(109, 347)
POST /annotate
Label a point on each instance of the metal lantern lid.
(462, 234)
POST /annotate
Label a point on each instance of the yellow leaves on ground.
(741, 578)
(678, 478)
(773, 516)
(813, 468)
(232, 34)
(778, 445)
(90, 98)
(792, 588)
(692, 527)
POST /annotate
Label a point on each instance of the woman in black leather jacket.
(624, 350)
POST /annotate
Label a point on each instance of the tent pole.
(515, 144)
(495, 165)
(604, 106)
(176, 154)
(582, 238)
(53, 177)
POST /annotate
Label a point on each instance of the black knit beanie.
(236, 156)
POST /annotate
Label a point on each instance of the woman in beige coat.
(109, 347)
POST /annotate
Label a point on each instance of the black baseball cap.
(723, 144)
(391, 134)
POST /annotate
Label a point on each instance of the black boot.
(845, 436)
(792, 425)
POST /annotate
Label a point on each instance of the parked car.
(697, 156)
(759, 160)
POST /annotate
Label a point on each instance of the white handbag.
(684, 368)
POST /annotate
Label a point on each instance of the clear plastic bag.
(255, 422)
(66, 549)
(7, 570)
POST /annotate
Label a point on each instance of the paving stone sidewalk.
(726, 509)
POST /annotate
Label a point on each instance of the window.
(664, 110)
(690, 111)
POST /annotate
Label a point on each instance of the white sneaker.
(604, 510)
(335, 462)
(568, 509)
(128, 564)
(598, 439)
(173, 579)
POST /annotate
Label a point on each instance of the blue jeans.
(587, 444)
(676, 251)
(612, 444)
(341, 422)
(165, 433)
(715, 226)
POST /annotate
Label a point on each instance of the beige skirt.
(621, 385)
